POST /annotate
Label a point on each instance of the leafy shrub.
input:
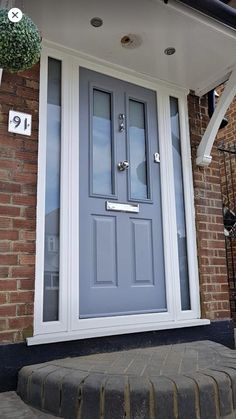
(20, 43)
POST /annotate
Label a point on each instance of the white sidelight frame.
(69, 326)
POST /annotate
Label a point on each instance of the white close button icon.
(15, 15)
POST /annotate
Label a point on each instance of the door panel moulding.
(204, 149)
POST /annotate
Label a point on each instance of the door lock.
(123, 165)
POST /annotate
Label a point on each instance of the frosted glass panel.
(180, 209)
(102, 143)
(137, 144)
(52, 197)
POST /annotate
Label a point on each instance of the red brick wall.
(18, 175)
(209, 220)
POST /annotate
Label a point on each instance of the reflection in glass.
(52, 197)
(137, 144)
(180, 208)
(102, 143)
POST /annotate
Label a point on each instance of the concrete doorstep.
(183, 381)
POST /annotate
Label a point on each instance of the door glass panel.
(52, 198)
(180, 208)
(137, 150)
(102, 143)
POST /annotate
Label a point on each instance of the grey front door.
(121, 246)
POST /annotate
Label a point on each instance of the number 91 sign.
(20, 123)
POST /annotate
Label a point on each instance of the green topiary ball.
(20, 43)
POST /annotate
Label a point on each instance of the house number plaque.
(20, 123)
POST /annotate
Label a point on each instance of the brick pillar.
(18, 176)
(209, 221)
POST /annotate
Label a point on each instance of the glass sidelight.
(180, 206)
(138, 150)
(52, 194)
(102, 182)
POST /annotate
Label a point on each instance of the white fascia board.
(201, 17)
(204, 149)
(218, 77)
(215, 81)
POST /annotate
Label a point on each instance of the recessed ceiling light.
(169, 51)
(96, 22)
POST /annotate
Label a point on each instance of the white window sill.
(108, 331)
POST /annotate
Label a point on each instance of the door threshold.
(109, 331)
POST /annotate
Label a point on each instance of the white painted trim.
(118, 322)
(70, 325)
(206, 144)
(1, 73)
(74, 190)
(214, 82)
(168, 196)
(189, 214)
(39, 262)
(114, 70)
(136, 320)
(217, 78)
(61, 325)
(202, 18)
(63, 337)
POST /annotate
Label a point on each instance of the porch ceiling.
(205, 49)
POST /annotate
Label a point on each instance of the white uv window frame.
(70, 326)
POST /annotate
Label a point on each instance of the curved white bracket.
(204, 149)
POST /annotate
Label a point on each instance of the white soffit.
(205, 50)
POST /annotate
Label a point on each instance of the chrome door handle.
(123, 165)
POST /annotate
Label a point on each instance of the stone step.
(186, 381)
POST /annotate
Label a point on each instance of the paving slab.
(12, 407)
(194, 380)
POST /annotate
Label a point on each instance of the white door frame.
(69, 326)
